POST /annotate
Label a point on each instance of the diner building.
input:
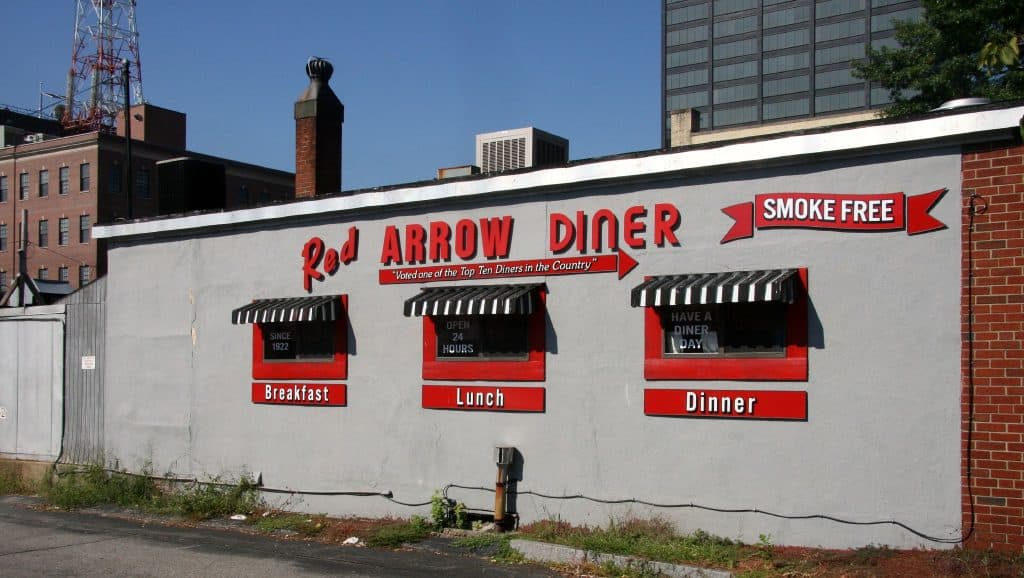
(811, 336)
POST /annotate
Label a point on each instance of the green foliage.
(12, 482)
(650, 538)
(461, 516)
(961, 48)
(496, 546)
(399, 533)
(303, 524)
(203, 501)
(439, 510)
(95, 486)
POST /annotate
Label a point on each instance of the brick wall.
(996, 174)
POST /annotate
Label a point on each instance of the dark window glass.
(115, 178)
(3, 189)
(727, 6)
(64, 232)
(788, 16)
(142, 183)
(44, 233)
(845, 29)
(686, 79)
(735, 26)
(837, 7)
(686, 35)
(62, 274)
(23, 186)
(64, 175)
(243, 195)
(786, 85)
(734, 71)
(44, 183)
(686, 14)
(83, 229)
(785, 108)
(735, 93)
(43, 273)
(880, 22)
(84, 176)
(3, 280)
(844, 53)
(685, 57)
(295, 340)
(734, 49)
(841, 77)
(3, 237)
(690, 100)
(482, 337)
(724, 117)
(83, 275)
(786, 39)
(840, 101)
(726, 330)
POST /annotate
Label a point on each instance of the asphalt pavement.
(35, 542)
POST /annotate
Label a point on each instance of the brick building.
(68, 183)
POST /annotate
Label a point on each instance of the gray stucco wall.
(881, 441)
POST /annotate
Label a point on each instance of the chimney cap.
(319, 69)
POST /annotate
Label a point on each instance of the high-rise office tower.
(747, 62)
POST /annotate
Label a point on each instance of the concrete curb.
(543, 552)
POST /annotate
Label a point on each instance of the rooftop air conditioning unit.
(32, 138)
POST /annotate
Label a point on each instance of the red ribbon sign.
(878, 212)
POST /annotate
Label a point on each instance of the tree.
(961, 48)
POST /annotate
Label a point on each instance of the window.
(64, 235)
(142, 183)
(115, 178)
(685, 57)
(735, 26)
(786, 85)
(840, 77)
(786, 62)
(3, 188)
(880, 22)
(3, 238)
(23, 186)
(686, 35)
(44, 274)
(303, 338)
(727, 6)
(748, 325)
(64, 176)
(44, 233)
(844, 53)
(837, 7)
(44, 183)
(487, 333)
(685, 79)
(83, 229)
(62, 274)
(727, 116)
(3, 280)
(734, 71)
(243, 195)
(83, 177)
(786, 108)
(786, 39)
(788, 16)
(839, 101)
(84, 272)
(734, 93)
(734, 49)
(845, 29)
(686, 14)
(689, 100)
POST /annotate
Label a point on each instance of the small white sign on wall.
(88, 362)
(3, 412)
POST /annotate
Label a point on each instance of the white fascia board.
(860, 138)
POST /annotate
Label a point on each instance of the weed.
(495, 546)
(304, 525)
(397, 533)
(13, 482)
(95, 486)
(203, 501)
(871, 554)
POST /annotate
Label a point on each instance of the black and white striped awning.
(323, 308)
(474, 300)
(704, 288)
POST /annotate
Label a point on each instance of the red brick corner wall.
(995, 173)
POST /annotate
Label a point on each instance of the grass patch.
(655, 539)
(13, 483)
(304, 525)
(494, 546)
(394, 534)
(96, 486)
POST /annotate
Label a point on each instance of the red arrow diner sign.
(727, 404)
(878, 212)
(483, 398)
(333, 394)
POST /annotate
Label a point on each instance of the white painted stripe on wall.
(771, 149)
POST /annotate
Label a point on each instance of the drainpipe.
(503, 459)
(22, 254)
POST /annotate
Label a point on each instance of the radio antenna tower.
(105, 38)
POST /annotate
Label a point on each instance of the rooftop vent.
(962, 103)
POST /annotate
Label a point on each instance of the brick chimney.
(318, 118)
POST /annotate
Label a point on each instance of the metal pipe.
(499, 498)
(128, 135)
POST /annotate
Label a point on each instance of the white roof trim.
(727, 154)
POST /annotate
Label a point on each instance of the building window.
(686, 79)
(686, 57)
(3, 280)
(844, 29)
(115, 178)
(686, 14)
(747, 325)
(734, 49)
(739, 115)
(44, 233)
(43, 274)
(44, 183)
(84, 272)
(837, 7)
(734, 71)
(243, 195)
(64, 176)
(65, 232)
(62, 274)
(786, 17)
(839, 101)
(84, 173)
(687, 35)
(786, 108)
(142, 183)
(23, 186)
(487, 333)
(787, 39)
(3, 188)
(304, 338)
(83, 229)
(3, 238)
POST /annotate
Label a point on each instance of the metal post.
(22, 258)
(128, 136)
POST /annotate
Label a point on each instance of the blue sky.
(419, 79)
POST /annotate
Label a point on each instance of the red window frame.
(335, 368)
(529, 369)
(791, 367)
